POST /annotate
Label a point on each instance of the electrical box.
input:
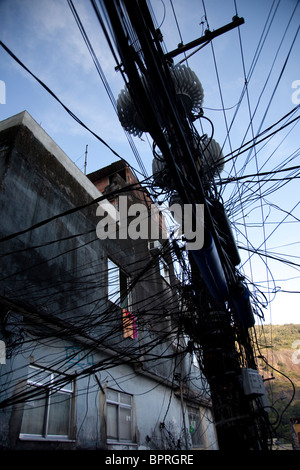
(253, 382)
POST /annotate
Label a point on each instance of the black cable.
(240, 151)
(70, 211)
(265, 173)
(105, 82)
(62, 104)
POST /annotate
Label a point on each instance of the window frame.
(49, 389)
(194, 415)
(120, 405)
(115, 295)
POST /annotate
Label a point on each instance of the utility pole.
(239, 420)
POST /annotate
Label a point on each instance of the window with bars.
(47, 412)
(120, 425)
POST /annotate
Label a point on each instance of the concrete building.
(94, 353)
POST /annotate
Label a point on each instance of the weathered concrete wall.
(54, 278)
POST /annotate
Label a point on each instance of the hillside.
(279, 345)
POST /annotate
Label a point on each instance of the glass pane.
(125, 399)
(124, 290)
(33, 416)
(125, 423)
(59, 414)
(112, 422)
(195, 428)
(112, 395)
(38, 376)
(113, 281)
(67, 386)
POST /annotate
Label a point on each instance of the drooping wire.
(105, 82)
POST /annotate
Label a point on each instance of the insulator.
(128, 115)
(212, 157)
(187, 87)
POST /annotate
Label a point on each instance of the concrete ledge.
(25, 119)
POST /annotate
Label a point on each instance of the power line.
(259, 174)
(70, 211)
(61, 103)
(150, 300)
(104, 81)
(241, 150)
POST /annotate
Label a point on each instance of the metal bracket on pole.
(206, 38)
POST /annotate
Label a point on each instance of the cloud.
(44, 34)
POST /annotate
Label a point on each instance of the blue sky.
(45, 37)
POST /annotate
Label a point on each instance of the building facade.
(94, 353)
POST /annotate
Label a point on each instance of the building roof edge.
(25, 119)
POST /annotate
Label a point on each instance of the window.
(119, 416)
(164, 270)
(119, 293)
(48, 411)
(195, 427)
(118, 285)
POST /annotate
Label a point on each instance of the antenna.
(85, 161)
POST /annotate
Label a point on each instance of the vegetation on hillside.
(279, 365)
(279, 336)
